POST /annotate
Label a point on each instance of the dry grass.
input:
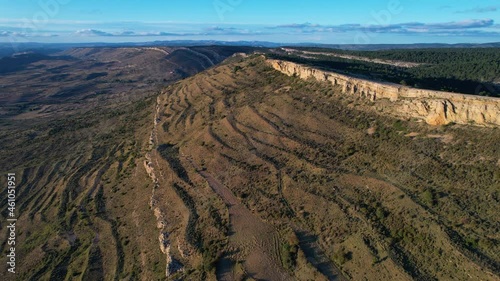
(268, 176)
(381, 202)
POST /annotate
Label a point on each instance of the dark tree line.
(471, 71)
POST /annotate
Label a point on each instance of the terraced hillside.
(241, 173)
(265, 176)
(77, 145)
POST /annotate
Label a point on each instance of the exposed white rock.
(435, 107)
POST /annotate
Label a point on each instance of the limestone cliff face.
(435, 107)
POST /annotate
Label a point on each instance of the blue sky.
(340, 22)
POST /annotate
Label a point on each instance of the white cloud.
(470, 26)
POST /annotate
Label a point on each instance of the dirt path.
(256, 241)
(403, 64)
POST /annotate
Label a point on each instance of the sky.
(291, 21)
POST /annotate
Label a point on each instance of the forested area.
(470, 71)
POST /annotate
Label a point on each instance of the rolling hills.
(195, 164)
(348, 192)
(73, 128)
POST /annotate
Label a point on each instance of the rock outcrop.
(172, 265)
(435, 107)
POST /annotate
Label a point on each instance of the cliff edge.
(435, 107)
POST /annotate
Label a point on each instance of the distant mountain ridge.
(7, 49)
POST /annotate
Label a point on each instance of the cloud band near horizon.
(80, 29)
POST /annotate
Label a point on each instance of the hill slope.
(76, 141)
(242, 172)
(318, 182)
